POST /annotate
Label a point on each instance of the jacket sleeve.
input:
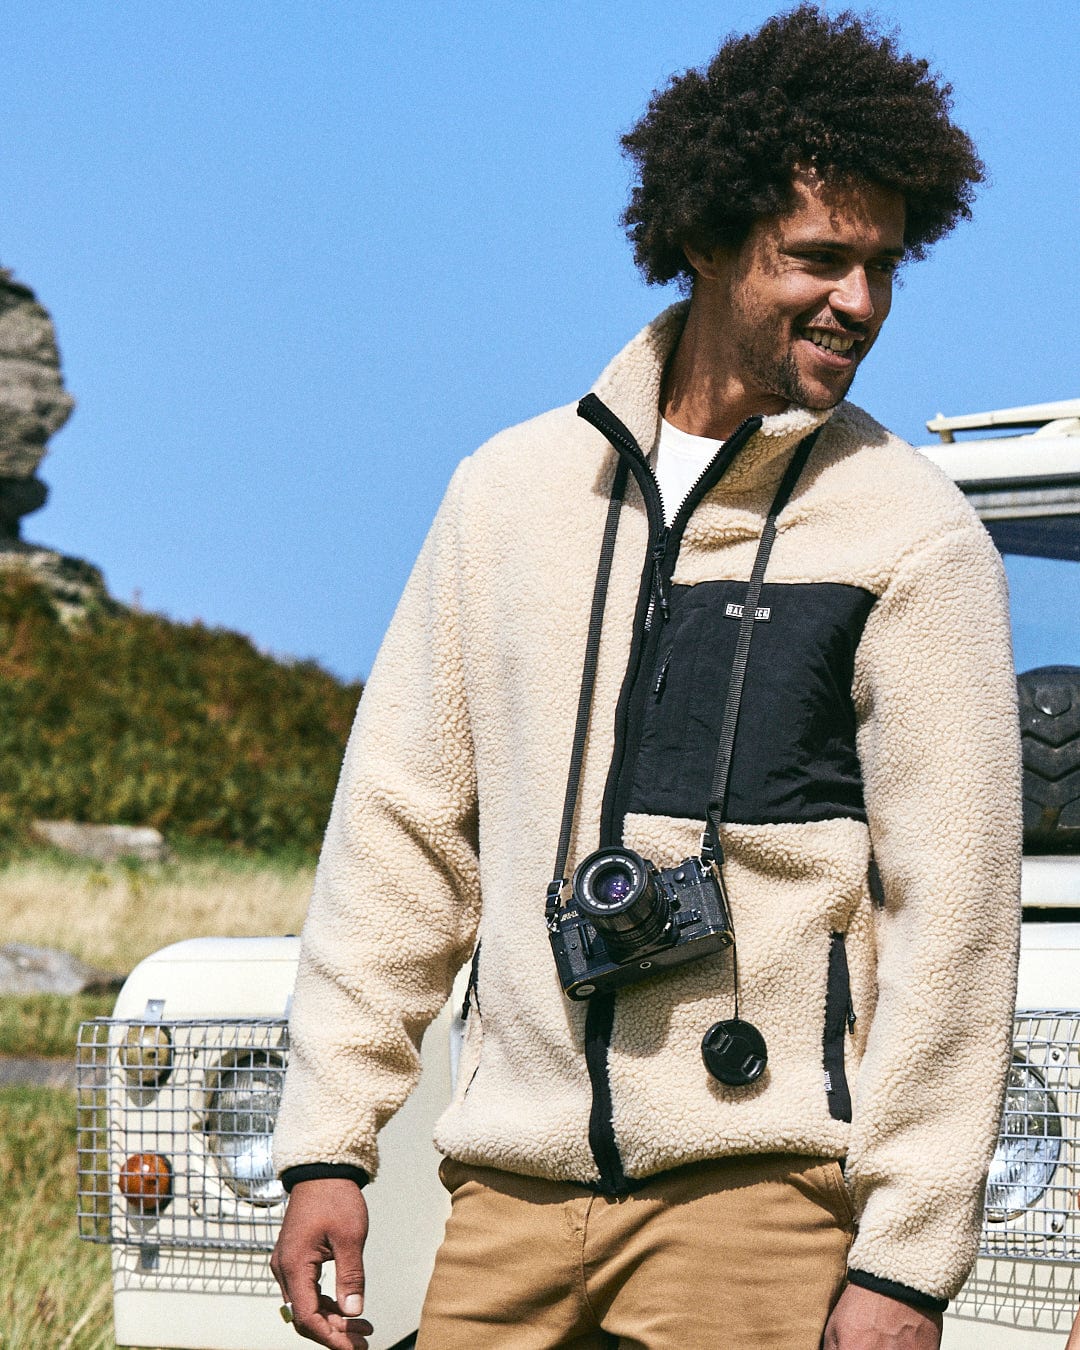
(938, 739)
(395, 904)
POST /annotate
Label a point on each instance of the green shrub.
(129, 717)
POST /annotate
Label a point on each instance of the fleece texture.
(446, 818)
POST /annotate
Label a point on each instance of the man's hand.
(325, 1220)
(863, 1320)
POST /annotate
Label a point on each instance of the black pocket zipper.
(472, 991)
(839, 1019)
(471, 1003)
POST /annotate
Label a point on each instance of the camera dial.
(616, 890)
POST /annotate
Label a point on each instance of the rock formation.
(44, 970)
(33, 405)
(102, 843)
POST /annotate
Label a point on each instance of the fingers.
(322, 1320)
(344, 1332)
(298, 1281)
(349, 1284)
(325, 1220)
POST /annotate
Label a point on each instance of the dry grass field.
(55, 1291)
(113, 916)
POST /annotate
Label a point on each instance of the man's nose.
(851, 296)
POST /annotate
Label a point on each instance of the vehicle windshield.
(1042, 562)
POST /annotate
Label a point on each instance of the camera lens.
(616, 890)
(612, 882)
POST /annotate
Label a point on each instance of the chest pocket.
(794, 757)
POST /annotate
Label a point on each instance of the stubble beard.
(773, 372)
(781, 377)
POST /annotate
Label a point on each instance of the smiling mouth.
(829, 341)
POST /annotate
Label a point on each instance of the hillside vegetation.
(128, 717)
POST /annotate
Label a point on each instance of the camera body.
(628, 920)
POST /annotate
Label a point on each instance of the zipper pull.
(658, 553)
(850, 1016)
(658, 687)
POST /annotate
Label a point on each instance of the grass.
(54, 1289)
(114, 915)
(45, 1024)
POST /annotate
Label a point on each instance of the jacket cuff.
(323, 1172)
(901, 1292)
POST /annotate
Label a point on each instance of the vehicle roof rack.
(1030, 415)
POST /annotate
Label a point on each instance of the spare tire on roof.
(1050, 736)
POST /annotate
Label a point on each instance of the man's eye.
(887, 266)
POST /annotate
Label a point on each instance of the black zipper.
(665, 542)
(839, 1016)
(472, 989)
(653, 591)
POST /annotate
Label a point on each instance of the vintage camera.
(628, 920)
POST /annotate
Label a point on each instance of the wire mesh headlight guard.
(203, 1095)
(1032, 1209)
(191, 1105)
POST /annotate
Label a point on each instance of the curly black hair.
(718, 147)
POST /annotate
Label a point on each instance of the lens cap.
(734, 1052)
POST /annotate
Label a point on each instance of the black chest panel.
(794, 757)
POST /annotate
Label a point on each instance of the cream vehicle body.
(178, 1090)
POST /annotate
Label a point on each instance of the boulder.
(43, 970)
(102, 843)
(35, 1072)
(74, 585)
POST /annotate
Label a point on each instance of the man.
(777, 1150)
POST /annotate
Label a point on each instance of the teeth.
(832, 342)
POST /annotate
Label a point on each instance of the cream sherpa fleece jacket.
(879, 705)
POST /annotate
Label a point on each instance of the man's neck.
(701, 393)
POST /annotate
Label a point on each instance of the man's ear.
(709, 265)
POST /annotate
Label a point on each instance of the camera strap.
(588, 680)
(734, 1050)
(711, 848)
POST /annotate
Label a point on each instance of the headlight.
(147, 1054)
(243, 1096)
(145, 1182)
(1030, 1145)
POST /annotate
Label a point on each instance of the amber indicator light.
(146, 1182)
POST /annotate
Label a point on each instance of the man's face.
(802, 300)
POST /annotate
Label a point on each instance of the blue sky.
(302, 257)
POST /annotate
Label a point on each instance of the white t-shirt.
(678, 462)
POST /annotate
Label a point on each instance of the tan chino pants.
(740, 1254)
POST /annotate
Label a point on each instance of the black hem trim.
(292, 1176)
(630, 1185)
(901, 1292)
